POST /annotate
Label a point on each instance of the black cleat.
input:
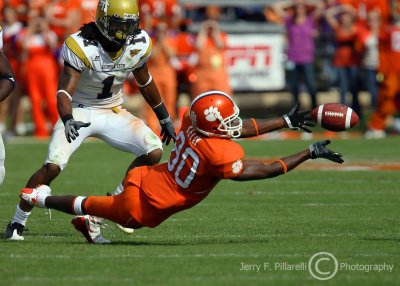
(14, 231)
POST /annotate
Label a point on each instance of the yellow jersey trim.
(77, 50)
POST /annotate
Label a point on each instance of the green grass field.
(352, 214)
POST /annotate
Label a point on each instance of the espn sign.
(254, 62)
(251, 55)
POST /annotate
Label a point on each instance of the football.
(334, 116)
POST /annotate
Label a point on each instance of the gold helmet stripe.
(77, 50)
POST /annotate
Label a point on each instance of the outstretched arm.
(294, 120)
(257, 170)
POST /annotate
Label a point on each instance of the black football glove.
(167, 125)
(71, 128)
(297, 120)
(318, 150)
(167, 130)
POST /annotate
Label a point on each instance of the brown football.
(334, 116)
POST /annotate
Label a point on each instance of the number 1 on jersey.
(107, 85)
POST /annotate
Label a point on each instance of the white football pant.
(118, 128)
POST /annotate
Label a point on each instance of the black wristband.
(66, 117)
(161, 111)
(10, 78)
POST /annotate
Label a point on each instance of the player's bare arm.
(7, 78)
(67, 84)
(255, 127)
(257, 170)
(294, 119)
(152, 96)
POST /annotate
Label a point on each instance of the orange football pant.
(124, 209)
(386, 100)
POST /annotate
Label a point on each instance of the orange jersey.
(196, 165)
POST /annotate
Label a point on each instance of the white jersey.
(102, 77)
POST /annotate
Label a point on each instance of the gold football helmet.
(117, 19)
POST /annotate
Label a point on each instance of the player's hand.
(71, 128)
(167, 130)
(297, 120)
(318, 150)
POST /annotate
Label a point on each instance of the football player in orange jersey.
(203, 155)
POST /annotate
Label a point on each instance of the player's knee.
(51, 171)
(154, 156)
(152, 141)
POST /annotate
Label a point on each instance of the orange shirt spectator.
(363, 7)
(38, 44)
(88, 10)
(12, 29)
(346, 54)
(162, 65)
(20, 6)
(389, 58)
(64, 17)
(184, 49)
(210, 69)
(154, 11)
(346, 59)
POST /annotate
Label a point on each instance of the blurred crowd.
(353, 45)
(358, 43)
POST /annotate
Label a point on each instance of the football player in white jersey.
(7, 84)
(97, 60)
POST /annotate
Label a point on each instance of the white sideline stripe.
(190, 278)
(319, 117)
(198, 255)
(348, 117)
(297, 204)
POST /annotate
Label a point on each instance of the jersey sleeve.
(226, 159)
(73, 54)
(143, 59)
